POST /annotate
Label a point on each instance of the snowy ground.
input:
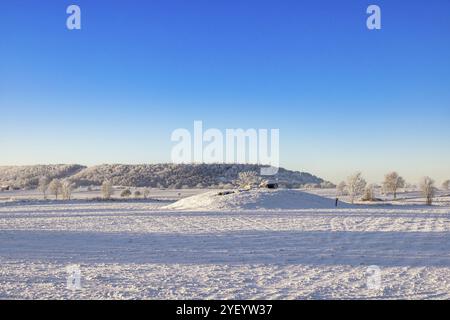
(139, 250)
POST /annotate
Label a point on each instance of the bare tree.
(428, 189)
(43, 185)
(355, 185)
(66, 189)
(146, 192)
(392, 182)
(107, 189)
(341, 189)
(446, 185)
(55, 187)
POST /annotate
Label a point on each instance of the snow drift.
(254, 200)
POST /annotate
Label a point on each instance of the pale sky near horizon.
(344, 98)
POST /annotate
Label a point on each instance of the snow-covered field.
(145, 250)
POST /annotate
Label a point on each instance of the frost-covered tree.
(55, 187)
(107, 189)
(66, 189)
(392, 182)
(446, 185)
(125, 193)
(355, 185)
(341, 189)
(43, 185)
(369, 193)
(146, 192)
(247, 179)
(428, 189)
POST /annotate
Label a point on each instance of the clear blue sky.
(344, 98)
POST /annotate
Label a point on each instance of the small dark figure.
(336, 202)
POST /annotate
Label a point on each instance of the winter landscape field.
(259, 244)
(224, 150)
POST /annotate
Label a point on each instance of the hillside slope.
(28, 176)
(183, 175)
(149, 175)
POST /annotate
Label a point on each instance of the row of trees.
(56, 187)
(356, 186)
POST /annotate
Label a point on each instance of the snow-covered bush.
(248, 180)
(125, 193)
